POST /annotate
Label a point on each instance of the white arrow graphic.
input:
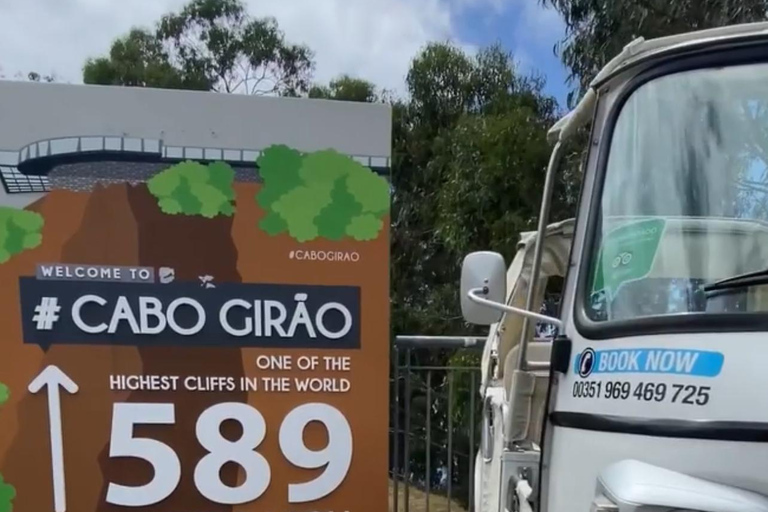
(53, 379)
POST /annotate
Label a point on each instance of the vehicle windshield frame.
(716, 56)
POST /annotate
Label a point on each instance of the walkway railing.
(16, 181)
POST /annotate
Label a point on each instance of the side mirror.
(484, 271)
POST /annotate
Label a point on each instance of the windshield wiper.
(740, 281)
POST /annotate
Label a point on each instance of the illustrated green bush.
(19, 230)
(7, 491)
(191, 188)
(324, 194)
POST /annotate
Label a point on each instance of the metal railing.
(434, 423)
(18, 181)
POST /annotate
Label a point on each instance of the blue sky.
(526, 29)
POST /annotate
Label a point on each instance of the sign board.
(195, 298)
(627, 254)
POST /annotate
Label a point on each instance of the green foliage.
(139, 59)
(364, 227)
(7, 491)
(19, 230)
(210, 45)
(7, 494)
(222, 175)
(597, 31)
(469, 154)
(299, 208)
(280, 168)
(191, 188)
(346, 88)
(499, 189)
(336, 218)
(322, 194)
(367, 188)
(321, 169)
(273, 224)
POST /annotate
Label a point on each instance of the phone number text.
(686, 394)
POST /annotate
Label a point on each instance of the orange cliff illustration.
(222, 301)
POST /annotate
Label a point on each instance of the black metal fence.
(434, 423)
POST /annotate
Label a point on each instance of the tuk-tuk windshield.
(685, 196)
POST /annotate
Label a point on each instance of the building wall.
(33, 111)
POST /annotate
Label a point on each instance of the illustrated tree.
(19, 230)
(191, 188)
(324, 194)
(210, 45)
(7, 491)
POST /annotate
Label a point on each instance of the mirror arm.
(538, 252)
(475, 296)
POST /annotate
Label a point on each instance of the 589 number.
(335, 457)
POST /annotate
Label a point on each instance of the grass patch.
(418, 500)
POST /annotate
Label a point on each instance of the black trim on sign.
(42, 166)
(748, 53)
(741, 431)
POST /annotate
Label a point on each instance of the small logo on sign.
(166, 274)
(586, 362)
(622, 259)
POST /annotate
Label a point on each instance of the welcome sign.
(195, 301)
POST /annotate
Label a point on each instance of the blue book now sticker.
(696, 363)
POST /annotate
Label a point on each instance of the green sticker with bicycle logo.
(627, 254)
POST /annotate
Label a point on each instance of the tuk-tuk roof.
(641, 50)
